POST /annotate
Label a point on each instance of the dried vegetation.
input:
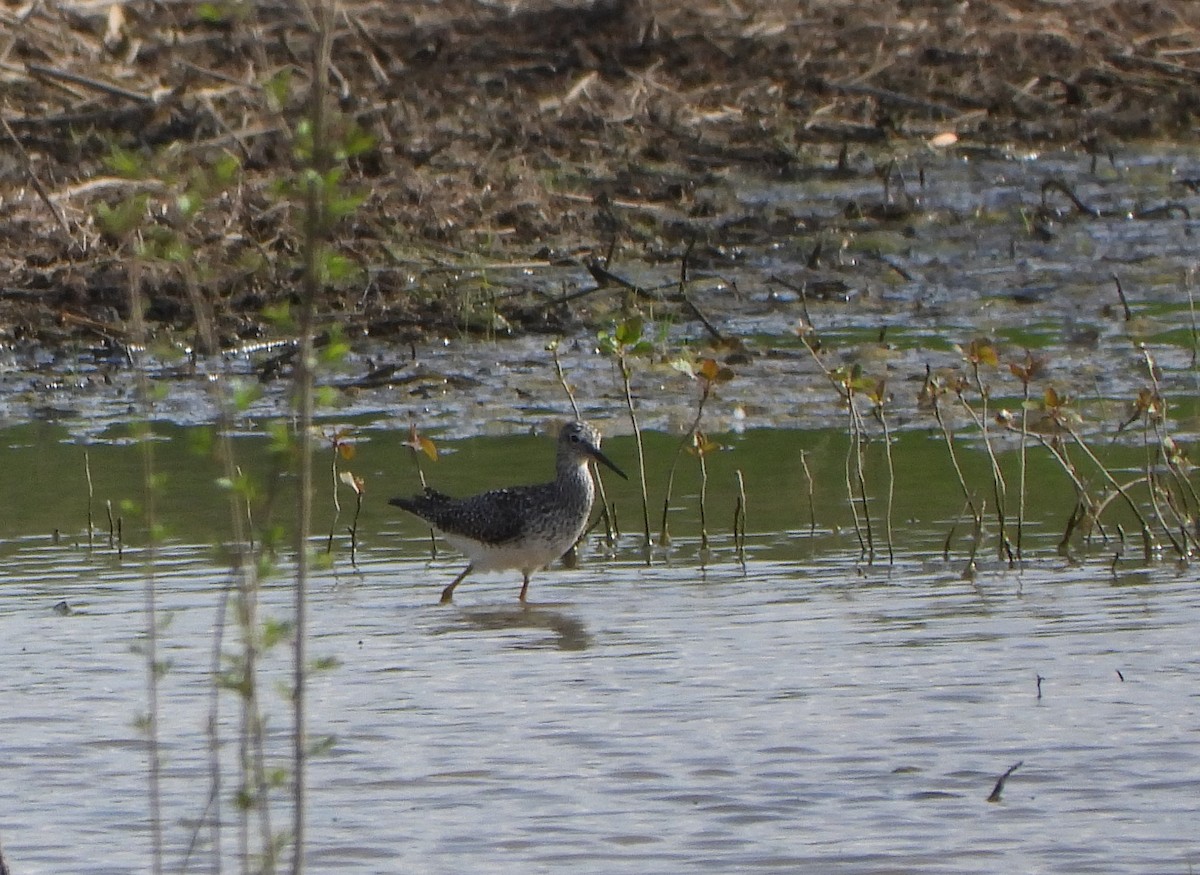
(540, 133)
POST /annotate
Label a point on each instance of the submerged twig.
(812, 505)
(739, 516)
(87, 472)
(994, 796)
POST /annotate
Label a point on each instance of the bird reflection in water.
(568, 632)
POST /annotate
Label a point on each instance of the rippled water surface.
(800, 711)
(781, 715)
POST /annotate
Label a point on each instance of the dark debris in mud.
(513, 139)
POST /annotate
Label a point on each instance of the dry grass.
(507, 133)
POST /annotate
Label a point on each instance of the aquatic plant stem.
(856, 475)
(623, 367)
(1154, 412)
(353, 528)
(1147, 535)
(999, 487)
(739, 516)
(606, 511)
(87, 471)
(1152, 484)
(664, 534)
(844, 385)
(1084, 504)
(703, 496)
(315, 229)
(948, 435)
(337, 503)
(1023, 462)
(891, 466)
(1195, 331)
(242, 678)
(812, 504)
(150, 652)
(562, 379)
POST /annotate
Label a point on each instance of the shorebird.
(521, 527)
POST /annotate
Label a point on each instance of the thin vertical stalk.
(739, 515)
(1024, 447)
(664, 533)
(623, 366)
(304, 414)
(999, 487)
(358, 501)
(253, 786)
(315, 229)
(860, 479)
(213, 734)
(87, 470)
(891, 487)
(812, 504)
(1147, 536)
(562, 379)
(948, 435)
(606, 512)
(1195, 331)
(150, 593)
(703, 499)
(1152, 482)
(337, 501)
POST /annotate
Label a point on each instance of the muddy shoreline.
(513, 143)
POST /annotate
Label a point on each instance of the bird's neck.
(574, 473)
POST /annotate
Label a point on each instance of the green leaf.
(187, 203)
(345, 204)
(275, 631)
(325, 396)
(225, 169)
(607, 343)
(629, 332)
(125, 163)
(280, 316)
(279, 86)
(685, 367)
(357, 140)
(165, 244)
(200, 440)
(119, 220)
(324, 663)
(339, 267)
(211, 13)
(281, 437)
(245, 394)
(321, 745)
(337, 348)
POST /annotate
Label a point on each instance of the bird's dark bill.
(600, 457)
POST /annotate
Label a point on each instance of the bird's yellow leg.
(448, 592)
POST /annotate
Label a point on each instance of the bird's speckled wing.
(495, 518)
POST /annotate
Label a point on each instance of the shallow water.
(798, 710)
(964, 262)
(796, 715)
